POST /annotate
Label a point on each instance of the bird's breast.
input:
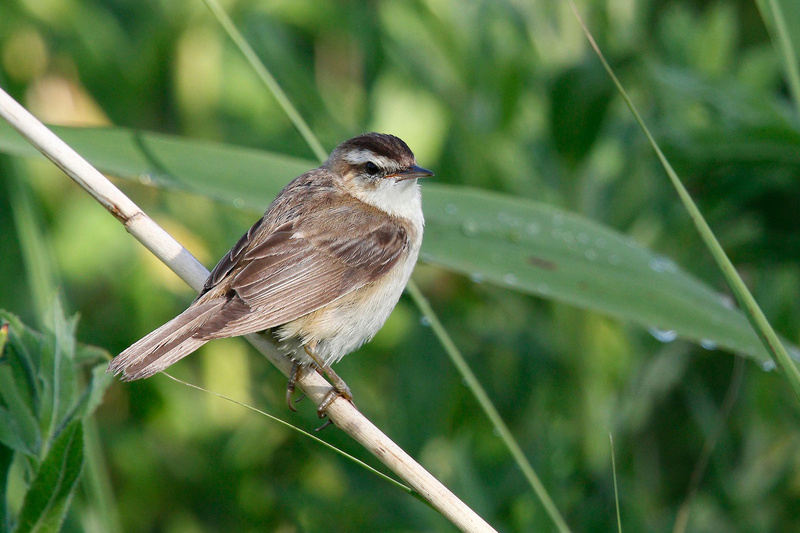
(343, 325)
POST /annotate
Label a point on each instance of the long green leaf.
(519, 244)
(228, 173)
(782, 18)
(19, 391)
(539, 249)
(46, 502)
(6, 458)
(38, 268)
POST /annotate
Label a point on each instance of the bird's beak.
(411, 173)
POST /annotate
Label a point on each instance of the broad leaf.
(46, 502)
(19, 425)
(520, 244)
(232, 174)
(541, 250)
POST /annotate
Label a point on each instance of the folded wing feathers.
(287, 275)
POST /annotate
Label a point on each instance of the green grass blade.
(616, 489)
(298, 430)
(488, 407)
(743, 296)
(782, 18)
(267, 78)
(41, 278)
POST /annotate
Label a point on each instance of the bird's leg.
(340, 388)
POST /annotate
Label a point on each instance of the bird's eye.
(371, 168)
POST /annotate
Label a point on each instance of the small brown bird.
(322, 269)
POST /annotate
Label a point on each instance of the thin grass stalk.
(743, 296)
(36, 260)
(267, 78)
(304, 433)
(616, 489)
(488, 407)
(780, 33)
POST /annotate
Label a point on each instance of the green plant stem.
(38, 263)
(772, 14)
(743, 296)
(486, 404)
(267, 78)
(96, 480)
(616, 490)
(357, 461)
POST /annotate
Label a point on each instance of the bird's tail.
(167, 345)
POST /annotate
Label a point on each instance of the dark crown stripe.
(380, 144)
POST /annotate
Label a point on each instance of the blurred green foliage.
(496, 95)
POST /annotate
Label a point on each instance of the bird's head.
(374, 157)
(379, 169)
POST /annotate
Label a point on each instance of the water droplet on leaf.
(470, 228)
(663, 335)
(662, 264)
(708, 344)
(768, 365)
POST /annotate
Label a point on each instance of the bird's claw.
(291, 385)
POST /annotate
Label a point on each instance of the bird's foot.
(339, 390)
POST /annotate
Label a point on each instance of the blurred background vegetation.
(505, 96)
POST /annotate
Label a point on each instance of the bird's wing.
(299, 267)
(276, 272)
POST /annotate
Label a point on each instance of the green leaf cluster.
(44, 398)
